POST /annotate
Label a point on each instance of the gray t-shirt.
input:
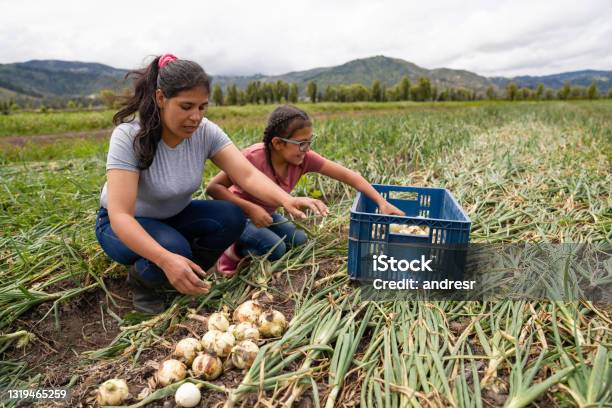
(165, 188)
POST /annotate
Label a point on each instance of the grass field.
(534, 172)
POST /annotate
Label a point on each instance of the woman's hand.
(260, 217)
(181, 273)
(293, 205)
(389, 209)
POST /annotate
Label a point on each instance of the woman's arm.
(218, 188)
(356, 180)
(238, 168)
(122, 186)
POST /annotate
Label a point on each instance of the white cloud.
(270, 36)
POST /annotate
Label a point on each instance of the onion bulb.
(207, 366)
(272, 323)
(246, 331)
(170, 371)
(249, 311)
(217, 342)
(187, 395)
(244, 353)
(187, 349)
(218, 321)
(112, 392)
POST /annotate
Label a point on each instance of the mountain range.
(54, 78)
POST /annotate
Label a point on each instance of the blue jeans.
(259, 241)
(213, 224)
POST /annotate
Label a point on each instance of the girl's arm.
(122, 188)
(218, 188)
(238, 168)
(355, 180)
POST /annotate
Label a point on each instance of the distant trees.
(311, 91)
(217, 95)
(108, 98)
(490, 92)
(592, 92)
(539, 92)
(293, 93)
(422, 89)
(564, 92)
(511, 91)
(232, 95)
(7, 106)
(404, 89)
(376, 91)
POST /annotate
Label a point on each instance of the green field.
(35, 123)
(524, 172)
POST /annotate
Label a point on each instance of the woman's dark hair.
(174, 77)
(283, 121)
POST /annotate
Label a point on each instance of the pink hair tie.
(165, 59)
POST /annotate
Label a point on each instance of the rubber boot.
(146, 298)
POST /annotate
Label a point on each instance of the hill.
(44, 78)
(364, 71)
(576, 78)
(54, 78)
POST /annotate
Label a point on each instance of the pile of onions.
(112, 392)
(251, 323)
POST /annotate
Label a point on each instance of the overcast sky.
(493, 37)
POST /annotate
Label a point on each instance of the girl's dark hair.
(283, 121)
(174, 77)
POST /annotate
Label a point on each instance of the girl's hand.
(389, 209)
(259, 217)
(181, 273)
(294, 204)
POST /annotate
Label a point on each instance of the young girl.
(284, 156)
(147, 217)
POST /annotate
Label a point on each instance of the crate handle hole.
(404, 195)
(403, 229)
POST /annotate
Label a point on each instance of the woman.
(155, 163)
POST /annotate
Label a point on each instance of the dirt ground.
(85, 324)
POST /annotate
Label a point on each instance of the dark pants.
(282, 234)
(209, 225)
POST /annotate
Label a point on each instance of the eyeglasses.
(304, 145)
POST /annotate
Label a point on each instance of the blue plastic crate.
(435, 210)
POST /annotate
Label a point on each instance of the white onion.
(187, 349)
(244, 353)
(187, 395)
(246, 331)
(207, 366)
(218, 321)
(249, 311)
(272, 323)
(170, 371)
(112, 392)
(217, 342)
